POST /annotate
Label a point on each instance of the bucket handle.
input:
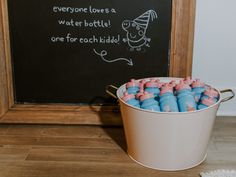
(229, 97)
(109, 89)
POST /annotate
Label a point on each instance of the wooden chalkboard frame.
(181, 49)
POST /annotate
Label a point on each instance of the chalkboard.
(67, 51)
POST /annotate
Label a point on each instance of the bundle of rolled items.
(174, 96)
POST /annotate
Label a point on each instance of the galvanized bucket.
(167, 140)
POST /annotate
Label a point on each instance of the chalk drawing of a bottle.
(136, 30)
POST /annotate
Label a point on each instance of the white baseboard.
(227, 108)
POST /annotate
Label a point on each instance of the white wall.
(214, 57)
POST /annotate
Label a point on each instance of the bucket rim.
(156, 112)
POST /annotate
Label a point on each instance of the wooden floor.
(69, 151)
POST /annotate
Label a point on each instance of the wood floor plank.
(84, 151)
(3, 129)
(78, 155)
(85, 117)
(65, 131)
(92, 169)
(86, 169)
(221, 157)
(13, 153)
(224, 126)
(58, 141)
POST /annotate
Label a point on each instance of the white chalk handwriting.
(103, 53)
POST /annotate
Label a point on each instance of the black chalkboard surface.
(67, 51)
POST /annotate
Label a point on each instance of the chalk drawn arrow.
(104, 53)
